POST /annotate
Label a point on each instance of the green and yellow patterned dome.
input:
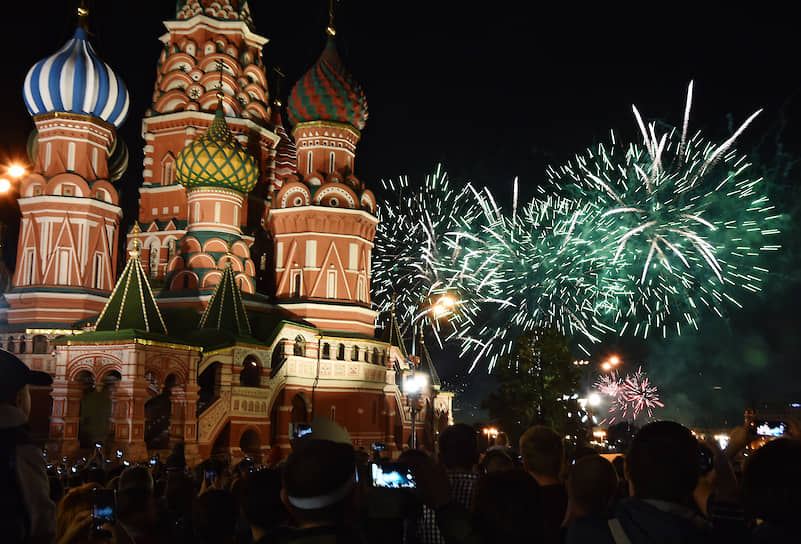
(216, 160)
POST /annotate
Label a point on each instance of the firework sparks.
(639, 394)
(634, 238)
(410, 247)
(629, 396)
(682, 226)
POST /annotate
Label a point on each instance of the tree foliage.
(538, 386)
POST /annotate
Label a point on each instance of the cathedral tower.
(209, 47)
(323, 220)
(67, 253)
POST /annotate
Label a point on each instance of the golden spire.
(330, 30)
(135, 251)
(83, 16)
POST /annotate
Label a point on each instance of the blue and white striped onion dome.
(75, 80)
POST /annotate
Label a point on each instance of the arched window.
(341, 352)
(167, 169)
(375, 356)
(155, 256)
(40, 343)
(300, 346)
(250, 376)
(354, 356)
(10, 346)
(23, 346)
(326, 351)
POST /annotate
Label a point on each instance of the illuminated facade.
(244, 306)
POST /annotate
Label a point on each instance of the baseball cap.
(14, 375)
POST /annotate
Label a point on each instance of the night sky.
(493, 92)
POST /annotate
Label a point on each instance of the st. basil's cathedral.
(244, 303)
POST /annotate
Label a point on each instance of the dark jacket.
(32, 478)
(319, 535)
(657, 522)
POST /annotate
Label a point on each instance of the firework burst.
(411, 245)
(629, 396)
(679, 224)
(634, 238)
(639, 395)
(524, 271)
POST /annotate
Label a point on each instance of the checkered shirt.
(462, 485)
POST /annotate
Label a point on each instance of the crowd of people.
(670, 488)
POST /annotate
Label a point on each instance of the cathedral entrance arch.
(94, 424)
(158, 412)
(250, 444)
(209, 382)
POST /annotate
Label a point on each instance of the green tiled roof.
(131, 304)
(225, 310)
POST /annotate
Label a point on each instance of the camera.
(210, 475)
(707, 459)
(153, 461)
(773, 429)
(119, 454)
(392, 475)
(296, 430)
(103, 508)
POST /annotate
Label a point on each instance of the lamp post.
(413, 386)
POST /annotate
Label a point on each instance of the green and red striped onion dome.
(327, 92)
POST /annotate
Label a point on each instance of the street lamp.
(16, 171)
(413, 386)
(443, 306)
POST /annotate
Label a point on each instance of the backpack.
(14, 519)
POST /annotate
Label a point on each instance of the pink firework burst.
(629, 396)
(638, 394)
(608, 384)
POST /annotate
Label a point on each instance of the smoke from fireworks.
(633, 238)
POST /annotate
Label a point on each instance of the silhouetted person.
(663, 467)
(26, 512)
(320, 492)
(507, 508)
(543, 458)
(458, 452)
(261, 504)
(214, 517)
(772, 489)
(591, 492)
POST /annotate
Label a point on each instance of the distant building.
(244, 306)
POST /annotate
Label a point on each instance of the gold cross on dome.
(221, 68)
(330, 30)
(279, 76)
(83, 16)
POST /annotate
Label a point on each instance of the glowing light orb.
(16, 171)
